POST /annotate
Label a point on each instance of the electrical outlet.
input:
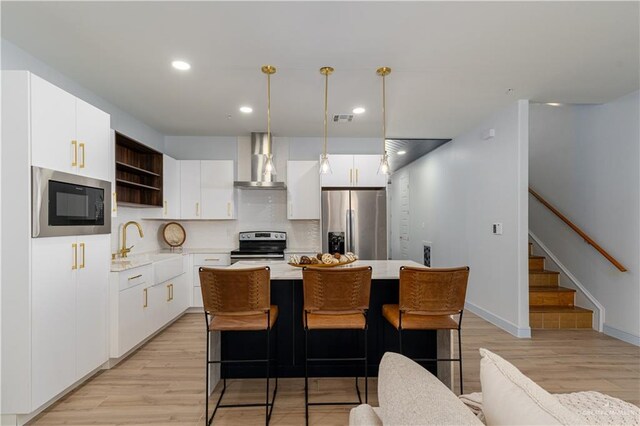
(496, 229)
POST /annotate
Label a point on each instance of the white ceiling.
(452, 62)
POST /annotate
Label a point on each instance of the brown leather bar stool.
(335, 299)
(430, 299)
(238, 300)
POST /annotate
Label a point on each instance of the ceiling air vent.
(343, 118)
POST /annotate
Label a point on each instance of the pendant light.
(325, 167)
(269, 167)
(383, 169)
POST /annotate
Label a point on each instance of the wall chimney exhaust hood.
(260, 148)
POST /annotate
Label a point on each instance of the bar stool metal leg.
(365, 359)
(306, 375)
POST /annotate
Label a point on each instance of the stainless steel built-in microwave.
(67, 204)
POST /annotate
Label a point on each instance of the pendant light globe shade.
(325, 167)
(269, 168)
(383, 168)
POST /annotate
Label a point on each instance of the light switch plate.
(496, 229)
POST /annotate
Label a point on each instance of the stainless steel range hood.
(260, 147)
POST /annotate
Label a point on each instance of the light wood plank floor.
(162, 383)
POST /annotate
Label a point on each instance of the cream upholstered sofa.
(410, 395)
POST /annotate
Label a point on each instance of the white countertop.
(141, 259)
(382, 269)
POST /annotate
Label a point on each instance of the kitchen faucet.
(125, 249)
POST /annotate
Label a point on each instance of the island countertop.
(382, 269)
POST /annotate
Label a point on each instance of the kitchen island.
(286, 293)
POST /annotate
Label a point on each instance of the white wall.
(585, 160)
(14, 58)
(455, 194)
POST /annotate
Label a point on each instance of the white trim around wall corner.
(621, 335)
(507, 326)
(576, 282)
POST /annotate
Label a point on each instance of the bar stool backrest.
(235, 291)
(433, 291)
(336, 290)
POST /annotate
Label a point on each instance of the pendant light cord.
(269, 109)
(384, 117)
(326, 91)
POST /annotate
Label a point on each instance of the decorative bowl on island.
(322, 260)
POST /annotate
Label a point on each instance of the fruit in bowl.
(325, 259)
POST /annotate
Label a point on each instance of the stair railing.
(579, 231)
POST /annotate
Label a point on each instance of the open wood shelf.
(138, 173)
(134, 169)
(137, 185)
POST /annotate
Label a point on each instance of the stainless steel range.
(260, 245)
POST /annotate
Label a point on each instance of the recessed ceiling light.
(246, 109)
(358, 110)
(553, 104)
(181, 65)
(403, 152)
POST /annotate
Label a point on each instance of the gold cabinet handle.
(168, 292)
(115, 202)
(356, 176)
(134, 277)
(229, 209)
(74, 144)
(171, 291)
(350, 176)
(165, 207)
(81, 146)
(212, 259)
(145, 298)
(74, 246)
(197, 209)
(82, 248)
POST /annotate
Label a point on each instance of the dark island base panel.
(288, 339)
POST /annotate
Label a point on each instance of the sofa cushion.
(365, 415)
(511, 398)
(600, 409)
(410, 395)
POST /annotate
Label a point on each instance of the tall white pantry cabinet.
(54, 290)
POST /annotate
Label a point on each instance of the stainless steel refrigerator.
(355, 221)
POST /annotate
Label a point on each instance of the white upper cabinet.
(53, 127)
(206, 189)
(366, 171)
(341, 171)
(93, 128)
(354, 171)
(216, 189)
(171, 188)
(68, 134)
(190, 189)
(303, 190)
(112, 172)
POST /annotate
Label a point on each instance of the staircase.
(552, 306)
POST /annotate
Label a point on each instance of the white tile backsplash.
(258, 210)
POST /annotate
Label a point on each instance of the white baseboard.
(622, 335)
(522, 332)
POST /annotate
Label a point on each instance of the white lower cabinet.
(212, 260)
(69, 311)
(140, 307)
(131, 306)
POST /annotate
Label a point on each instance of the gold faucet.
(125, 249)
